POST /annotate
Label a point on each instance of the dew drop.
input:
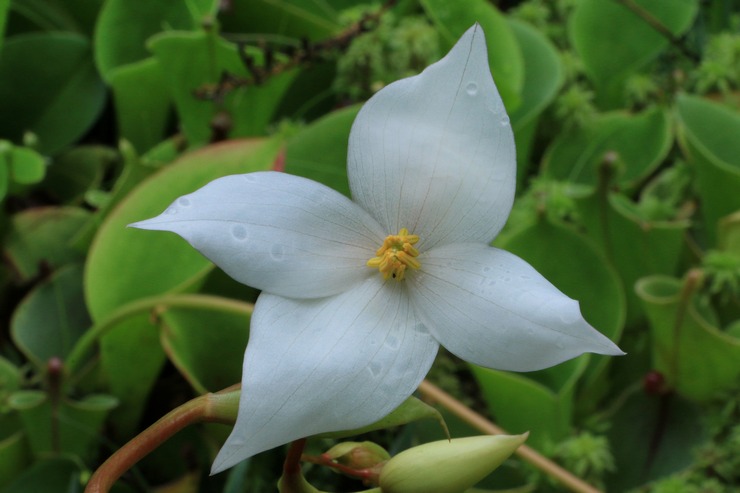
(486, 269)
(171, 211)
(277, 252)
(505, 121)
(249, 178)
(471, 88)
(375, 368)
(392, 342)
(239, 232)
(419, 328)
(184, 201)
(559, 345)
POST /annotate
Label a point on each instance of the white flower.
(334, 343)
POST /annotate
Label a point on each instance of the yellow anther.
(396, 254)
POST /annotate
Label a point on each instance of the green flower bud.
(447, 466)
(358, 455)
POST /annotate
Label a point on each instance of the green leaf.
(708, 134)
(190, 61)
(319, 151)
(59, 15)
(412, 409)
(504, 54)
(47, 476)
(66, 426)
(542, 401)
(59, 99)
(636, 247)
(15, 455)
(4, 8)
(165, 261)
(697, 358)
(78, 171)
(124, 26)
(652, 437)
(26, 165)
(10, 379)
(613, 41)
(51, 318)
(207, 345)
(131, 359)
(543, 76)
(143, 101)
(522, 403)
(43, 236)
(310, 19)
(639, 142)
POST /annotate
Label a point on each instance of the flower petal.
(434, 153)
(315, 366)
(276, 232)
(493, 309)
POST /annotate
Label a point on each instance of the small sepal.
(358, 455)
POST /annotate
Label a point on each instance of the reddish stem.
(215, 408)
(367, 475)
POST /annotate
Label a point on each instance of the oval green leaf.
(145, 263)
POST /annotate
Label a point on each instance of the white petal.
(315, 366)
(276, 232)
(493, 309)
(435, 153)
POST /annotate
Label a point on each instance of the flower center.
(396, 254)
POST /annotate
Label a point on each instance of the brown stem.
(655, 23)
(307, 53)
(215, 408)
(567, 479)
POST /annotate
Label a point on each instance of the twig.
(567, 479)
(207, 408)
(307, 52)
(655, 23)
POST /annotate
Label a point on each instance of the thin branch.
(212, 408)
(307, 52)
(566, 478)
(655, 23)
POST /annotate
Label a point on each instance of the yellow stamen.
(396, 254)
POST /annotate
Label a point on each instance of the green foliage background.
(626, 120)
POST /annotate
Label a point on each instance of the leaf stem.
(214, 408)
(88, 340)
(566, 478)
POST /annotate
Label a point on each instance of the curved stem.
(567, 479)
(215, 408)
(88, 340)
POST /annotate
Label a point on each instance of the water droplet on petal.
(249, 178)
(171, 211)
(184, 201)
(420, 329)
(239, 232)
(504, 121)
(486, 269)
(559, 345)
(392, 342)
(277, 252)
(375, 368)
(471, 88)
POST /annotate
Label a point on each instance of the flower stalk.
(220, 407)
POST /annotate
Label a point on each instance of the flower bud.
(358, 455)
(447, 466)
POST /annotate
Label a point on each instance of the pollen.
(396, 255)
